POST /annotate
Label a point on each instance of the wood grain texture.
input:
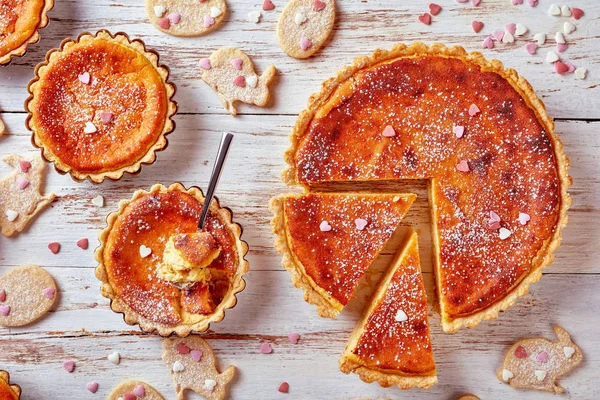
(83, 328)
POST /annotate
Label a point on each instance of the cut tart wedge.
(328, 241)
(391, 343)
(477, 132)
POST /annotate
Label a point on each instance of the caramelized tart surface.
(19, 21)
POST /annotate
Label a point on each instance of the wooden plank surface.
(83, 328)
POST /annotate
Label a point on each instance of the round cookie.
(185, 17)
(26, 294)
(134, 388)
(304, 26)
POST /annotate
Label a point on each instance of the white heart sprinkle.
(145, 251)
(401, 316)
(504, 233)
(569, 351)
(215, 12)
(580, 73)
(565, 11)
(540, 38)
(177, 366)
(551, 57)
(299, 18)
(254, 16)
(554, 10)
(324, 226)
(210, 384)
(540, 374)
(98, 201)
(159, 10)
(506, 375)
(508, 38)
(89, 128)
(521, 30)
(524, 218)
(252, 81)
(560, 38)
(114, 358)
(12, 215)
(568, 27)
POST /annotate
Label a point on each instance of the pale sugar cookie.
(186, 17)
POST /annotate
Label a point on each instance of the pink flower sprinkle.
(561, 47)
(498, 35)
(174, 18)
(524, 218)
(240, 81)
(48, 293)
(22, 183)
(319, 5)
(476, 2)
(434, 9)
(84, 78)
(266, 348)
(511, 28)
(54, 247)
(182, 348)
(196, 355)
(293, 338)
(25, 165)
(69, 366)
(106, 117)
(531, 48)
(208, 21)
(463, 166)
(570, 66)
(92, 387)
(517, 2)
(388, 131)
(520, 352)
(268, 5)
(165, 23)
(560, 67)
(477, 26)
(360, 223)
(324, 226)
(4, 310)
(577, 12)
(237, 63)
(129, 396)
(488, 43)
(305, 44)
(284, 387)
(2, 294)
(542, 357)
(474, 110)
(425, 18)
(459, 131)
(139, 391)
(205, 63)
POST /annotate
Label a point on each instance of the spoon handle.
(216, 174)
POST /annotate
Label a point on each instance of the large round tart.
(129, 276)
(478, 133)
(100, 106)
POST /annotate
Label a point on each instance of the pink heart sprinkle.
(268, 5)
(49, 293)
(84, 78)
(83, 243)
(425, 18)
(25, 165)
(560, 67)
(570, 66)
(205, 63)
(165, 23)
(2, 294)
(240, 81)
(531, 48)
(139, 391)
(319, 5)
(463, 166)
(284, 387)
(22, 183)
(305, 44)
(542, 357)
(196, 355)
(532, 3)
(524, 218)
(69, 366)
(561, 47)
(459, 131)
(106, 117)
(324, 226)
(494, 217)
(494, 226)
(129, 396)
(520, 352)
(208, 21)
(92, 387)
(237, 63)
(360, 223)
(434, 9)
(474, 110)
(577, 12)
(293, 338)
(388, 131)
(4, 310)
(511, 28)
(266, 348)
(498, 35)
(477, 26)
(174, 18)
(462, 1)
(182, 348)
(517, 2)
(488, 43)
(476, 2)
(54, 247)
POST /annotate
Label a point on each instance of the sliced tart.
(328, 241)
(478, 133)
(391, 343)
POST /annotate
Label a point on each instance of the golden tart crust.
(113, 83)
(388, 351)
(130, 280)
(511, 136)
(8, 391)
(330, 271)
(20, 22)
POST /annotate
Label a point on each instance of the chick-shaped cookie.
(537, 363)
(193, 367)
(20, 193)
(8, 391)
(230, 73)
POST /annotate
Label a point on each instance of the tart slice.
(391, 342)
(328, 241)
(8, 391)
(100, 106)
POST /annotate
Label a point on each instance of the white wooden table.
(83, 328)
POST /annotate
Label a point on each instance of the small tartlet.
(27, 25)
(148, 299)
(100, 106)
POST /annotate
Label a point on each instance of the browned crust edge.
(5, 376)
(160, 144)
(521, 85)
(34, 38)
(229, 301)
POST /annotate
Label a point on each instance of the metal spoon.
(216, 174)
